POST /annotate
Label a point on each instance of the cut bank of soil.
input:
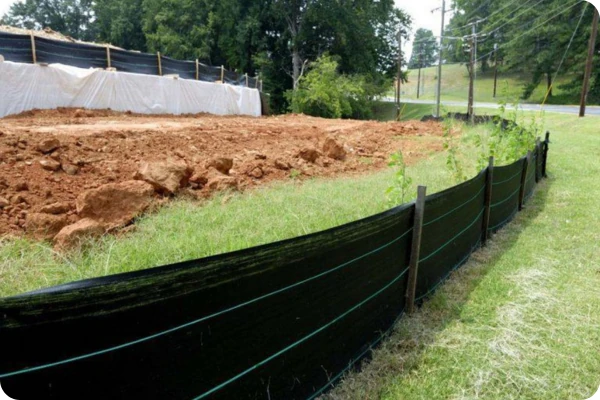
(103, 146)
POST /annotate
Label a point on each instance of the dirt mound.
(54, 156)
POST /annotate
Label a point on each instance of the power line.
(491, 15)
(511, 20)
(532, 29)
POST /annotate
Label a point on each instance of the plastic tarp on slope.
(275, 321)
(26, 87)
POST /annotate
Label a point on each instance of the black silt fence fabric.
(130, 61)
(252, 82)
(75, 54)
(231, 77)
(274, 321)
(209, 73)
(16, 48)
(505, 194)
(185, 69)
(452, 228)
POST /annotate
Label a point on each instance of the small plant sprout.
(396, 193)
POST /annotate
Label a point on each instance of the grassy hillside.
(455, 86)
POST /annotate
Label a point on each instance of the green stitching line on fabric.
(506, 199)
(511, 216)
(450, 241)
(509, 179)
(452, 270)
(353, 362)
(179, 327)
(451, 211)
(300, 341)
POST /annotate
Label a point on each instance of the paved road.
(590, 110)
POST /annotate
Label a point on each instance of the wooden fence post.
(222, 74)
(197, 70)
(523, 180)
(488, 199)
(159, 63)
(246, 75)
(108, 64)
(256, 81)
(538, 155)
(33, 52)
(415, 249)
(545, 156)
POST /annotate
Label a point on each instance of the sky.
(419, 10)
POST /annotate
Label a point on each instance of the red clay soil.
(99, 147)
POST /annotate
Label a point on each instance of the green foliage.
(509, 138)
(323, 92)
(532, 40)
(120, 23)
(70, 17)
(425, 50)
(453, 162)
(397, 192)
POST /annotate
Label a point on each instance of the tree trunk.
(549, 84)
(296, 65)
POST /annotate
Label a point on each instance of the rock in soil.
(56, 208)
(72, 235)
(309, 154)
(115, 204)
(333, 149)
(3, 202)
(220, 182)
(166, 177)
(45, 226)
(50, 164)
(70, 169)
(221, 164)
(48, 145)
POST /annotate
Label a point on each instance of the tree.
(424, 50)
(70, 17)
(120, 23)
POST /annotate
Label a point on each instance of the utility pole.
(588, 65)
(495, 67)
(439, 75)
(399, 75)
(470, 113)
(420, 65)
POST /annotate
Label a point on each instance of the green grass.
(521, 319)
(455, 86)
(386, 111)
(183, 230)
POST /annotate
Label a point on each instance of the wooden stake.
(222, 74)
(256, 82)
(545, 155)
(523, 179)
(488, 200)
(415, 249)
(33, 52)
(538, 155)
(159, 63)
(197, 70)
(108, 65)
(246, 75)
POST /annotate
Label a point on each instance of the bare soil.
(103, 146)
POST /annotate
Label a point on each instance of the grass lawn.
(521, 320)
(455, 86)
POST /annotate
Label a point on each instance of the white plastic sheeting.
(28, 86)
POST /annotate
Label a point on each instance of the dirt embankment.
(49, 159)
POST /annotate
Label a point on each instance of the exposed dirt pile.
(58, 167)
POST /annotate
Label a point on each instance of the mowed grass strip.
(186, 230)
(521, 320)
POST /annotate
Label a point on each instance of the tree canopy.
(533, 39)
(424, 50)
